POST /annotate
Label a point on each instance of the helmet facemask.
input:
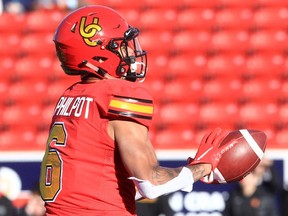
(133, 60)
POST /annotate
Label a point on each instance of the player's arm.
(140, 160)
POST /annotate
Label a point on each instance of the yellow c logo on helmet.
(89, 31)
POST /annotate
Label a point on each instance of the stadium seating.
(222, 89)
(187, 65)
(43, 20)
(158, 65)
(37, 44)
(239, 18)
(172, 138)
(9, 43)
(191, 40)
(9, 23)
(155, 40)
(7, 64)
(195, 18)
(159, 4)
(265, 65)
(261, 90)
(272, 3)
(177, 114)
(158, 19)
(232, 65)
(272, 17)
(34, 67)
(211, 63)
(269, 41)
(232, 41)
(258, 112)
(27, 92)
(219, 113)
(183, 90)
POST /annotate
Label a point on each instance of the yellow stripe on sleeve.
(131, 106)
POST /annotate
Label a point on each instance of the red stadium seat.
(132, 15)
(281, 139)
(196, 18)
(283, 113)
(46, 116)
(227, 65)
(57, 71)
(22, 116)
(157, 65)
(265, 90)
(265, 65)
(156, 41)
(158, 19)
(160, 4)
(236, 18)
(43, 20)
(7, 64)
(219, 113)
(222, 90)
(284, 91)
(269, 41)
(183, 90)
(256, 112)
(178, 114)
(38, 44)
(40, 140)
(12, 141)
(272, 17)
(272, 3)
(4, 86)
(199, 4)
(23, 140)
(230, 41)
(34, 67)
(175, 139)
(12, 23)
(118, 4)
(188, 65)
(236, 3)
(9, 44)
(191, 41)
(28, 91)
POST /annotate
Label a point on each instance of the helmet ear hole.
(99, 58)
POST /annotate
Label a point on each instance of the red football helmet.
(98, 40)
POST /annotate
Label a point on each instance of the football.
(241, 159)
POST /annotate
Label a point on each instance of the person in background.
(255, 194)
(34, 206)
(284, 201)
(6, 206)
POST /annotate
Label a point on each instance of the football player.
(98, 147)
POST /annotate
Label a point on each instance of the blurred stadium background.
(211, 63)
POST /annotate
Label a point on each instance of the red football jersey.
(82, 172)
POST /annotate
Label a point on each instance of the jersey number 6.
(51, 168)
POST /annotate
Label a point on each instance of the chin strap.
(98, 72)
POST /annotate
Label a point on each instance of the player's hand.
(209, 150)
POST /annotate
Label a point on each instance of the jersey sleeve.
(129, 101)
